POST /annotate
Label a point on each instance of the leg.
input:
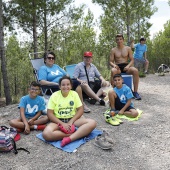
(131, 113)
(113, 72)
(112, 96)
(133, 71)
(41, 121)
(52, 133)
(86, 88)
(146, 65)
(17, 123)
(86, 126)
(100, 92)
(79, 91)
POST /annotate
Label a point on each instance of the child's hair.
(142, 39)
(34, 83)
(117, 75)
(66, 77)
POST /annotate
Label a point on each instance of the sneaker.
(117, 119)
(111, 121)
(136, 96)
(86, 109)
(92, 101)
(102, 143)
(102, 102)
(107, 137)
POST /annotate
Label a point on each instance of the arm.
(31, 121)
(23, 118)
(132, 44)
(78, 114)
(112, 58)
(125, 107)
(130, 55)
(48, 83)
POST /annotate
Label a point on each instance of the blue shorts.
(119, 105)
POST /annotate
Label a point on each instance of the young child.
(120, 99)
(31, 107)
(65, 110)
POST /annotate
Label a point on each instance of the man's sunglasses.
(50, 58)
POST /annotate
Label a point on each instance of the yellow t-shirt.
(64, 107)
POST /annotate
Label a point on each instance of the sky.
(158, 19)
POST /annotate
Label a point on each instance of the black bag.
(7, 142)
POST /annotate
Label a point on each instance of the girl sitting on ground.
(65, 110)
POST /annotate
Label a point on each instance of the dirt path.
(140, 145)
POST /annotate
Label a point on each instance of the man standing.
(121, 61)
(140, 56)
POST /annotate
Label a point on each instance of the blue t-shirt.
(52, 74)
(139, 51)
(31, 106)
(124, 94)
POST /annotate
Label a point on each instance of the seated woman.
(50, 74)
(86, 73)
(65, 109)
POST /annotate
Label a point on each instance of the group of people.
(66, 106)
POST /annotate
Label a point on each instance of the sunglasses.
(50, 58)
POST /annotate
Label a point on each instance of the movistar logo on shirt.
(123, 98)
(56, 73)
(31, 109)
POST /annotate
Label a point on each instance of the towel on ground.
(71, 147)
(125, 117)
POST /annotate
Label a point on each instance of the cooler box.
(128, 79)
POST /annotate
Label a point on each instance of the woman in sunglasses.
(50, 74)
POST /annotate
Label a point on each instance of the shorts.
(138, 63)
(65, 120)
(119, 105)
(122, 66)
(95, 86)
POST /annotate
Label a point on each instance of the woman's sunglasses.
(50, 58)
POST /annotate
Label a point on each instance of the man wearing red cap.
(86, 73)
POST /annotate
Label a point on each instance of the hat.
(88, 54)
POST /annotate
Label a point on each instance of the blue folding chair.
(70, 69)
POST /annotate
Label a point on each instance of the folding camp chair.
(36, 64)
(70, 69)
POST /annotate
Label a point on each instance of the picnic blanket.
(72, 147)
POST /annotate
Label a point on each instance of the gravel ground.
(139, 145)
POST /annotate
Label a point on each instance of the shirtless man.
(121, 61)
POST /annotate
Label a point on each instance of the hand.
(103, 83)
(66, 126)
(126, 68)
(83, 82)
(121, 112)
(31, 122)
(27, 129)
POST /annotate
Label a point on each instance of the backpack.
(7, 140)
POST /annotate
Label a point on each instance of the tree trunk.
(3, 63)
(35, 29)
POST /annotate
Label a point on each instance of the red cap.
(88, 54)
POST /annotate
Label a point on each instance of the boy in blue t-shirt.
(120, 99)
(31, 107)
